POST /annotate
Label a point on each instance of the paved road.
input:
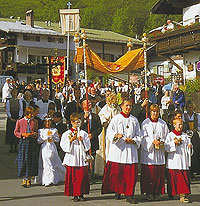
(12, 194)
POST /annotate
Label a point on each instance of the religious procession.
(133, 122)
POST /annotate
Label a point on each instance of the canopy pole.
(83, 37)
(144, 41)
(129, 45)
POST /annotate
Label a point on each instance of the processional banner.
(58, 70)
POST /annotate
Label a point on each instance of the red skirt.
(119, 178)
(76, 181)
(178, 182)
(152, 179)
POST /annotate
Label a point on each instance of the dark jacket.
(95, 129)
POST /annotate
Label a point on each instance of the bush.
(193, 85)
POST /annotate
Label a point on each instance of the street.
(11, 192)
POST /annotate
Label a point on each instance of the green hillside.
(128, 17)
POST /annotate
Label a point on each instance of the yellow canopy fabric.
(132, 60)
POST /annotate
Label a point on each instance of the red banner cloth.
(119, 178)
(76, 181)
(58, 72)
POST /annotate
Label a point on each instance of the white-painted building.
(184, 41)
(25, 45)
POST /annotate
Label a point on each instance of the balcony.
(177, 41)
(31, 68)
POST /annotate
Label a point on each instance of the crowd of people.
(66, 134)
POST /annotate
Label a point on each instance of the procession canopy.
(130, 61)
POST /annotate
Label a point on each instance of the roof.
(11, 25)
(21, 27)
(172, 6)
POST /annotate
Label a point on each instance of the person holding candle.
(51, 170)
(76, 143)
(178, 145)
(27, 158)
(154, 131)
(121, 170)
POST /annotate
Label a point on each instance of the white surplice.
(178, 156)
(120, 151)
(106, 114)
(151, 131)
(76, 150)
(51, 169)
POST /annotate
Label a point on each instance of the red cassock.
(119, 178)
(178, 182)
(152, 179)
(76, 181)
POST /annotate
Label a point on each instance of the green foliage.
(128, 17)
(193, 85)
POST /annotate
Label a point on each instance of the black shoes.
(117, 196)
(130, 199)
(76, 199)
(81, 198)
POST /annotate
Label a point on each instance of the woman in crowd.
(27, 100)
(192, 122)
(14, 112)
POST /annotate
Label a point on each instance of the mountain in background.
(128, 17)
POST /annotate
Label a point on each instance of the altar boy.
(178, 146)
(76, 143)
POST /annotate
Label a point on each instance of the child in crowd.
(61, 127)
(178, 146)
(27, 158)
(36, 110)
(50, 170)
(76, 143)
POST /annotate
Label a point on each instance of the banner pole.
(144, 41)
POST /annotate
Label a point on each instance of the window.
(60, 40)
(37, 38)
(25, 37)
(32, 59)
(44, 60)
(55, 40)
(31, 38)
(38, 59)
(107, 57)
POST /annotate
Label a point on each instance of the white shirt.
(178, 156)
(151, 131)
(120, 151)
(43, 107)
(107, 113)
(6, 91)
(164, 102)
(76, 150)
